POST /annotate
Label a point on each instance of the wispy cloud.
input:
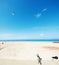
(38, 15)
(45, 9)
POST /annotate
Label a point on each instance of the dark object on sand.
(2, 43)
(39, 59)
(55, 42)
(55, 57)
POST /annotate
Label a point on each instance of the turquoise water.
(30, 40)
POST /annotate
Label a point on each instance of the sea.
(31, 40)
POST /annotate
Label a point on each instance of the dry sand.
(24, 53)
(27, 62)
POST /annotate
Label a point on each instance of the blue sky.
(29, 19)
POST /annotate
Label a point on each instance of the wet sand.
(51, 48)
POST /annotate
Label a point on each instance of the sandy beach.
(24, 53)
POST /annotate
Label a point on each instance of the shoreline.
(30, 40)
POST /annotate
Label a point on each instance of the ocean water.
(32, 40)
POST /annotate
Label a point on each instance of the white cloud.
(44, 10)
(38, 15)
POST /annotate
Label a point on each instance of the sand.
(51, 48)
(27, 62)
(24, 53)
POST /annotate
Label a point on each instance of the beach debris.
(56, 42)
(2, 45)
(55, 57)
(39, 59)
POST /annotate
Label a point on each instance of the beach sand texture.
(27, 62)
(24, 53)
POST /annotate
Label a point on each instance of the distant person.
(39, 59)
(55, 57)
